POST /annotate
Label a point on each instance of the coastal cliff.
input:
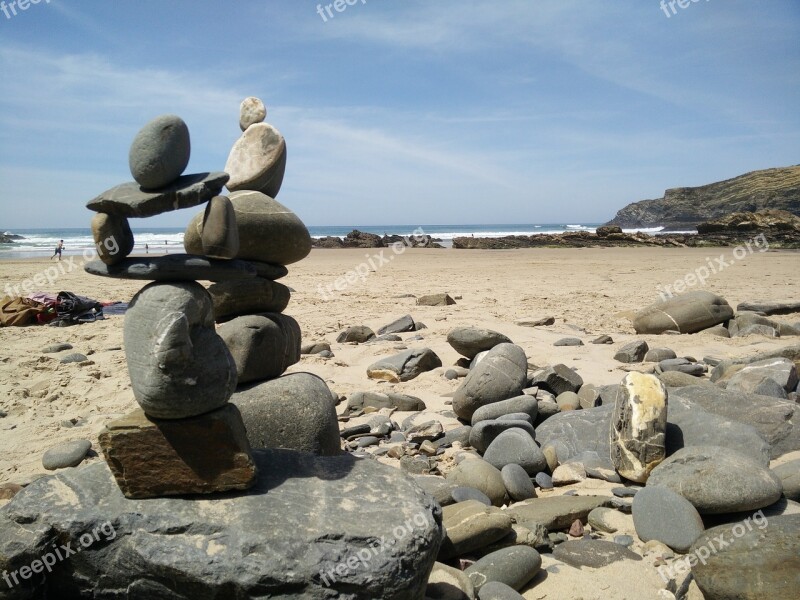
(687, 207)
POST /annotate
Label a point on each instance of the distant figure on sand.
(146, 249)
(58, 251)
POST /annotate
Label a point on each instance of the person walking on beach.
(58, 251)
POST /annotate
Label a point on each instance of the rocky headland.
(687, 207)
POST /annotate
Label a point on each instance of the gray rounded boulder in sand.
(160, 152)
(718, 480)
(178, 365)
(664, 515)
(502, 374)
(296, 411)
(520, 404)
(516, 447)
(479, 474)
(687, 313)
(268, 231)
(470, 341)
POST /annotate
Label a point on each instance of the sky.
(403, 111)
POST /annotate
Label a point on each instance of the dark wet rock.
(557, 379)
(291, 526)
(634, 352)
(401, 325)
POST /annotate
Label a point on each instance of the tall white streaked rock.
(638, 426)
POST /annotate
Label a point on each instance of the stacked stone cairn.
(187, 438)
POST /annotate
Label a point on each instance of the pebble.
(570, 341)
(518, 482)
(514, 566)
(68, 454)
(495, 590)
(544, 481)
(623, 540)
(160, 152)
(73, 358)
(624, 492)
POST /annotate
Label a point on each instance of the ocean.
(40, 243)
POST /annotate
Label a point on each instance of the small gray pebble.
(624, 492)
(623, 540)
(56, 348)
(462, 494)
(73, 358)
(544, 481)
(68, 454)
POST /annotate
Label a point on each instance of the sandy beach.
(588, 291)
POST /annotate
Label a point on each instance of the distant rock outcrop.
(685, 208)
(9, 238)
(761, 221)
(360, 239)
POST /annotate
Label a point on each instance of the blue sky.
(403, 111)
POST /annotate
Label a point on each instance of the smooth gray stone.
(268, 270)
(296, 411)
(67, 454)
(578, 431)
(113, 238)
(760, 385)
(160, 152)
(514, 566)
(519, 404)
(689, 424)
(495, 590)
(501, 375)
(662, 514)
(683, 366)
(780, 370)
(292, 527)
(173, 267)
(462, 494)
(718, 331)
(624, 540)
(633, 352)
(248, 296)
(687, 313)
(405, 366)
(769, 308)
(426, 431)
(402, 402)
(358, 334)
(479, 474)
(603, 339)
(77, 357)
(459, 434)
(516, 446)
(555, 512)
(595, 466)
(557, 380)
(268, 231)
(717, 480)
(771, 417)
(659, 354)
(401, 325)
(516, 417)
(179, 367)
(518, 483)
(674, 379)
(592, 553)
(470, 341)
(544, 481)
(129, 200)
(547, 409)
(568, 342)
(257, 160)
(625, 492)
(485, 432)
(220, 235)
(770, 548)
(608, 393)
(789, 474)
(448, 583)
(263, 346)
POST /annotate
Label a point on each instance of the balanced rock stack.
(186, 438)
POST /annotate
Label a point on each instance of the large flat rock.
(312, 527)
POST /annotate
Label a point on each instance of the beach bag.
(72, 309)
(18, 312)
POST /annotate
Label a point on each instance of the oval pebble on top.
(160, 152)
(251, 111)
(68, 454)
